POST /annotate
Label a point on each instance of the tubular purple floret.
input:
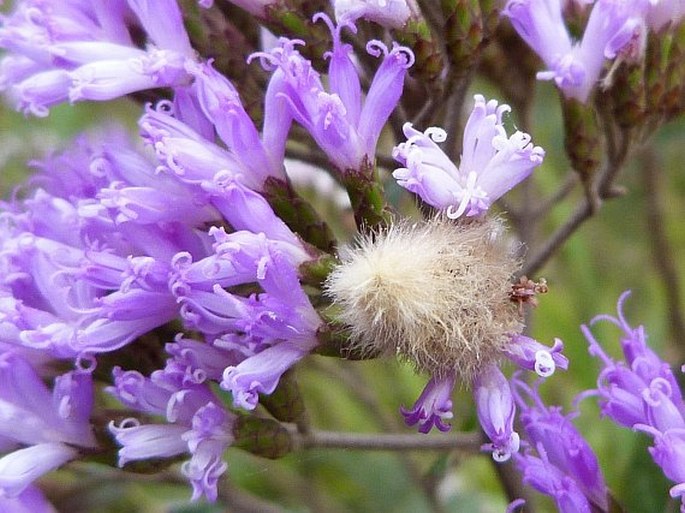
(661, 411)
(433, 408)
(529, 354)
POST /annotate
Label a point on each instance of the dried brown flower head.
(436, 293)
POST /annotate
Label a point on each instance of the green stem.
(366, 195)
(298, 214)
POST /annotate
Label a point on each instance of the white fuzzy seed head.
(434, 292)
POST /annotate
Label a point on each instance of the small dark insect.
(525, 291)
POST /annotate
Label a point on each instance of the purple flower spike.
(642, 393)
(210, 435)
(434, 405)
(531, 355)
(221, 104)
(491, 163)
(641, 390)
(496, 410)
(196, 424)
(559, 444)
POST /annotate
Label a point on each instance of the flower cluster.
(74, 51)
(614, 30)
(113, 246)
(95, 258)
(641, 392)
(343, 126)
(558, 461)
(178, 273)
(438, 293)
(638, 392)
(491, 163)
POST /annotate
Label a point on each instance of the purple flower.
(260, 374)
(284, 329)
(282, 312)
(198, 362)
(661, 13)
(496, 410)
(613, 27)
(434, 405)
(669, 453)
(345, 128)
(559, 446)
(22, 467)
(85, 51)
(33, 414)
(247, 210)
(549, 480)
(195, 160)
(388, 13)
(531, 355)
(640, 390)
(220, 102)
(66, 314)
(187, 154)
(196, 424)
(643, 394)
(49, 423)
(491, 163)
(31, 500)
(88, 258)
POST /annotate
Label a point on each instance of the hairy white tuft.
(433, 292)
